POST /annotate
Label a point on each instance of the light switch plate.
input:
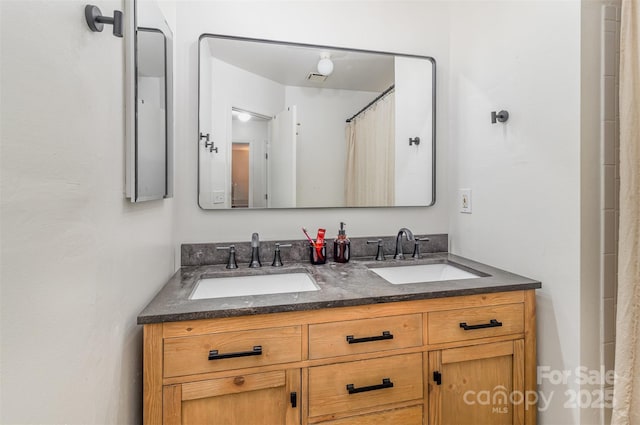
(464, 199)
(218, 197)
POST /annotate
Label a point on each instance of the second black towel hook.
(501, 116)
(96, 21)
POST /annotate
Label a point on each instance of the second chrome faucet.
(399, 255)
(255, 251)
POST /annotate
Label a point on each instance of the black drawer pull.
(493, 323)
(257, 351)
(385, 335)
(386, 383)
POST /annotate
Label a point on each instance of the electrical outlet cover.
(218, 197)
(465, 201)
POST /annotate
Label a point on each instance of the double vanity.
(436, 340)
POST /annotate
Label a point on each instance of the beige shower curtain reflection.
(626, 398)
(370, 173)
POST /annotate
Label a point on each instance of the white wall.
(322, 152)
(526, 175)
(79, 262)
(325, 22)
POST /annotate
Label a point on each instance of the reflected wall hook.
(413, 140)
(96, 21)
(208, 144)
(501, 116)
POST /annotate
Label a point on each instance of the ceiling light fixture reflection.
(325, 64)
(243, 116)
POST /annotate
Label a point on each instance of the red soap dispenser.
(341, 246)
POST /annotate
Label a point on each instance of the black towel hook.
(96, 21)
(501, 116)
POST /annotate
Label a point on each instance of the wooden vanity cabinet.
(457, 360)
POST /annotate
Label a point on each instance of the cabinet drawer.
(404, 416)
(364, 336)
(363, 384)
(474, 323)
(231, 350)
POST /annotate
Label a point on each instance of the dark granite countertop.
(340, 285)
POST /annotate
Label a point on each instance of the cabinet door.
(477, 385)
(261, 398)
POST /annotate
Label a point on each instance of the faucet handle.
(231, 261)
(277, 261)
(416, 247)
(380, 252)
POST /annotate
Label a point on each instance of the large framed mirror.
(149, 118)
(289, 125)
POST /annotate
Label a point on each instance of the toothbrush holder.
(318, 253)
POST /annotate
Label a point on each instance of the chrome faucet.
(255, 251)
(399, 255)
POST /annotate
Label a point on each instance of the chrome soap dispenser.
(341, 246)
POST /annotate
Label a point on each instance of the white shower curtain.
(626, 398)
(370, 173)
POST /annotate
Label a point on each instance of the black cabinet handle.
(493, 323)
(293, 398)
(386, 383)
(257, 351)
(385, 335)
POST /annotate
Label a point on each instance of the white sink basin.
(401, 275)
(238, 286)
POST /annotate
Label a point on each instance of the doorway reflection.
(250, 140)
(240, 175)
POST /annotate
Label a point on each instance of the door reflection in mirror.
(250, 137)
(240, 175)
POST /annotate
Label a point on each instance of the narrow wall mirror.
(286, 125)
(149, 123)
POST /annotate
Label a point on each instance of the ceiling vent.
(315, 77)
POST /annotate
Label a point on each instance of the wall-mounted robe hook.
(501, 116)
(414, 140)
(96, 21)
(207, 143)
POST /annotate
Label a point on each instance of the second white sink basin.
(238, 286)
(422, 273)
